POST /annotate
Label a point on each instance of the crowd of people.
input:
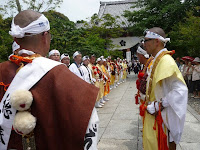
(190, 69)
(46, 101)
(49, 103)
(101, 72)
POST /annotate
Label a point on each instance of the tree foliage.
(160, 13)
(106, 27)
(93, 38)
(5, 39)
(186, 36)
(15, 6)
(173, 17)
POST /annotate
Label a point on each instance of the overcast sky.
(80, 9)
(75, 9)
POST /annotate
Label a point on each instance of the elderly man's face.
(101, 62)
(149, 45)
(141, 58)
(55, 57)
(86, 62)
(78, 59)
(105, 63)
(66, 61)
(92, 59)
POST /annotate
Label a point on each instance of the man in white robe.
(87, 74)
(75, 67)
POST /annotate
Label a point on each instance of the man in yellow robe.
(112, 74)
(106, 80)
(117, 69)
(166, 96)
(95, 76)
(101, 82)
(144, 59)
(124, 65)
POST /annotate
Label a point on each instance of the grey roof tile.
(116, 8)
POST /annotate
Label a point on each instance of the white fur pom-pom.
(21, 99)
(24, 123)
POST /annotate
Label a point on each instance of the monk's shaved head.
(158, 31)
(24, 18)
(38, 43)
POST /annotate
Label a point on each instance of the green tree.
(186, 36)
(106, 27)
(5, 39)
(160, 13)
(15, 6)
(92, 39)
(68, 39)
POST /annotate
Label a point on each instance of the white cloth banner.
(124, 42)
(25, 79)
(128, 56)
(91, 136)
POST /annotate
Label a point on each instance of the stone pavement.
(120, 124)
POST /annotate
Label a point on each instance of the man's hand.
(153, 107)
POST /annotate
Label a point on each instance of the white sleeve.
(71, 68)
(83, 73)
(175, 97)
(91, 136)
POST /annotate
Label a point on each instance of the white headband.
(99, 59)
(23, 51)
(75, 54)
(15, 46)
(64, 56)
(54, 51)
(38, 26)
(153, 35)
(85, 58)
(143, 52)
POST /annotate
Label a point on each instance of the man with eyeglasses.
(65, 117)
(166, 96)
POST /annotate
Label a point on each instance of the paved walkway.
(120, 124)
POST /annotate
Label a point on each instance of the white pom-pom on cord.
(21, 99)
(24, 123)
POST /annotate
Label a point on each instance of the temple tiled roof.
(117, 8)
